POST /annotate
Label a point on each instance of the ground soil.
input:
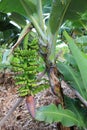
(21, 119)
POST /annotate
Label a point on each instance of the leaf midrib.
(57, 113)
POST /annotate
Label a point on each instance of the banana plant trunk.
(53, 75)
(55, 84)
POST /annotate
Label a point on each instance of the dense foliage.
(50, 19)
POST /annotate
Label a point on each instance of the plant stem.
(76, 93)
(25, 31)
(52, 39)
(39, 30)
(39, 6)
(11, 111)
(81, 98)
(35, 23)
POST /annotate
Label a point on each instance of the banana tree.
(47, 31)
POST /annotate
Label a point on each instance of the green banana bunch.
(25, 63)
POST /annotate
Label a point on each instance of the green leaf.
(75, 106)
(12, 6)
(70, 59)
(19, 19)
(29, 6)
(51, 114)
(75, 9)
(16, 6)
(57, 13)
(65, 9)
(82, 40)
(79, 58)
(72, 77)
